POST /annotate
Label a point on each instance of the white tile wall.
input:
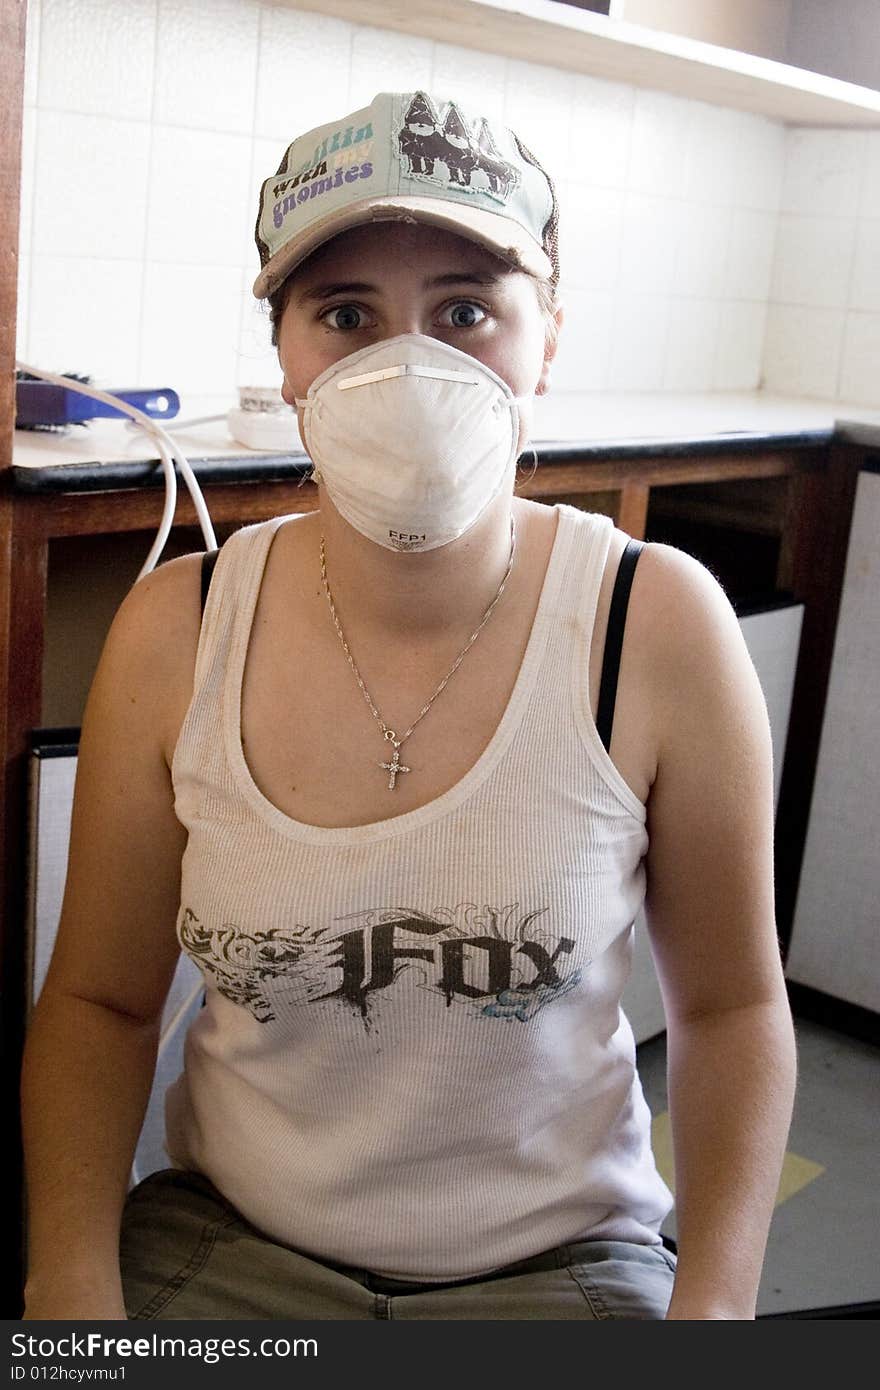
(546, 95)
(822, 172)
(652, 230)
(870, 204)
(68, 332)
(206, 64)
(379, 60)
(865, 287)
(802, 350)
(460, 72)
(759, 162)
(750, 248)
(97, 56)
(659, 144)
(303, 72)
(582, 361)
(191, 323)
(600, 131)
(199, 196)
(814, 258)
(690, 346)
(638, 347)
(741, 330)
(90, 186)
(149, 127)
(256, 359)
(711, 168)
(703, 236)
(860, 361)
(822, 335)
(590, 236)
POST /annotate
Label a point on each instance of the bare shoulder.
(693, 637)
(671, 577)
(151, 647)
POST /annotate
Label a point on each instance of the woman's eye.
(345, 316)
(466, 314)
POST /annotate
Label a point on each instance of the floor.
(825, 1234)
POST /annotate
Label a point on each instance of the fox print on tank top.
(497, 963)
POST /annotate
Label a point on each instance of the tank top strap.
(588, 549)
(231, 597)
(588, 555)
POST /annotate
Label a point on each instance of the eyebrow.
(455, 277)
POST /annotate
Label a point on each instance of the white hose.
(169, 453)
(167, 514)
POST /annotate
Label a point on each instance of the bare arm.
(710, 913)
(91, 1047)
(83, 1105)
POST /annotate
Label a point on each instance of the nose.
(406, 319)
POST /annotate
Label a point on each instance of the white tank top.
(412, 1056)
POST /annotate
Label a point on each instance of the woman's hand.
(702, 1313)
(63, 1297)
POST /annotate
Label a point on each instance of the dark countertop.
(107, 455)
(251, 467)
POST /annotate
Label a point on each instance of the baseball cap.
(408, 156)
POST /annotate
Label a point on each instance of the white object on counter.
(263, 420)
(258, 430)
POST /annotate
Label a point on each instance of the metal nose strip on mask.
(407, 369)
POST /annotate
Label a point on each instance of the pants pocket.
(620, 1279)
(170, 1224)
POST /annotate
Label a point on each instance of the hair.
(548, 302)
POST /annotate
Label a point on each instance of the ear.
(551, 343)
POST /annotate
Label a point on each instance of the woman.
(410, 868)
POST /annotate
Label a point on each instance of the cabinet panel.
(835, 942)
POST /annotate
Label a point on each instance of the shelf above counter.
(560, 35)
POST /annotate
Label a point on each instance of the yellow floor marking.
(661, 1143)
(797, 1172)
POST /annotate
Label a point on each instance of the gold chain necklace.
(395, 766)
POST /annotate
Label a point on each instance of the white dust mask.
(412, 438)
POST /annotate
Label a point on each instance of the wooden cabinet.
(835, 938)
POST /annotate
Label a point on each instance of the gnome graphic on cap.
(425, 142)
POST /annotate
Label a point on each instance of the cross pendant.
(393, 768)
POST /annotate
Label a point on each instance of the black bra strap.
(209, 560)
(614, 639)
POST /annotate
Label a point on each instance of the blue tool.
(41, 404)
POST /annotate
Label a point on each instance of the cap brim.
(497, 233)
